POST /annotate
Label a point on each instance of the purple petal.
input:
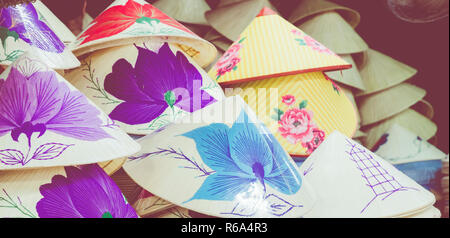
(88, 197)
(57, 202)
(76, 117)
(157, 73)
(121, 209)
(121, 83)
(17, 99)
(137, 113)
(5, 17)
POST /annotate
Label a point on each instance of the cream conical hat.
(351, 181)
(62, 192)
(419, 11)
(230, 20)
(381, 71)
(349, 77)
(22, 28)
(399, 145)
(189, 11)
(330, 29)
(128, 21)
(359, 134)
(110, 167)
(431, 212)
(127, 83)
(409, 119)
(425, 108)
(193, 163)
(148, 204)
(379, 106)
(309, 8)
(46, 122)
(60, 29)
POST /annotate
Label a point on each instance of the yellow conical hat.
(270, 47)
(278, 68)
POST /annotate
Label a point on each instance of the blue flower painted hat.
(221, 161)
(46, 122)
(23, 28)
(145, 86)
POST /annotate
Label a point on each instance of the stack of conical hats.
(377, 82)
(54, 141)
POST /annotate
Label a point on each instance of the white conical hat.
(129, 21)
(46, 122)
(399, 145)
(221, 161)
(23, 29)
(351, 181)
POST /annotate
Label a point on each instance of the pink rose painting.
(230, 59)
(297, 126)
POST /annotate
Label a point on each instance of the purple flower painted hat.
(62, 192)
(23, 28)
(46, 122)
(144, 87)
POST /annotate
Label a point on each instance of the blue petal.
(284, 176)
(212, 145)
(248, 147)
(222, 187)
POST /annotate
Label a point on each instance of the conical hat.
(330, 29)
(189, 11)
(110, 167)
(309, 8)
(379, 106)
(175, 212)
(127, 21)
(127, 83)
(349, 77)
(431, 212)
(399, 145)
(22, 29)
(193, 162)
(351, 181)
(381, 71)
(46, 122)
(60, 29)
(230, 20)
(425, 108)
(70, 192)
(409, 119)
(272, 47)
(148, 204)
(359, 134)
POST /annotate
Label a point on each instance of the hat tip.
(266, 11)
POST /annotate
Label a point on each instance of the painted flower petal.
(284, 176)
(212, 145)
(121, 83)
(120, 208)
(56, 201)
(248, 147)
(222, 187)
(137, 113)
(76, 117)
(17, 99)
(157, 73)
(34, 31)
